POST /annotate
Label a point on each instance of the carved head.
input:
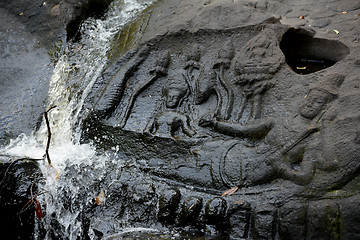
(163, 60)
(322, 93)
(315, 102)
(194, 54)
(174, 91)
(261, 54)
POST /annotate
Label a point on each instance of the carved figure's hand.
(206, 121)
(274, 159)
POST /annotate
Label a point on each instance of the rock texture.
(32, 35)
(258, 95)
(18, 184)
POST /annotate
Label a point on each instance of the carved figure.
(306, 156)
(159, 70)
(213, 83)
(226, 54)
(114, 92)
(258, 61)
(320, 95)
(245, 164)
(167, 119)
(192, 63)
(207, 85)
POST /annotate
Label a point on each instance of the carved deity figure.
(298, 160)
(242, 163)
(191, 64)
(167, 118)
(256, 65)
(214, 81)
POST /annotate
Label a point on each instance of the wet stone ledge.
(18, 185)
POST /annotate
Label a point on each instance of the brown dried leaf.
(38, 210)
(100, 198)
(230, 191)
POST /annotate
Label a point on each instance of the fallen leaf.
(241, 202)
(100, 198)
(38, 210)
(191, 207)
(230, 191)
(336, 31)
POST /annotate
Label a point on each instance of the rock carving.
(257, 64)
(234, 114)
(158, 71)
(167, 119)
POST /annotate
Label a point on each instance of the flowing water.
(75, 166)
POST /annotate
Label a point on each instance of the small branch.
(49, 133)
(34, 201)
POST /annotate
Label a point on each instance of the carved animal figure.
(159, 70)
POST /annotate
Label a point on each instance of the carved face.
(173, 97)
(314, 103)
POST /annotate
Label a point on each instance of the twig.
(49, 134)
(28, 203)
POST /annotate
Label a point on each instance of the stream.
(75, 167)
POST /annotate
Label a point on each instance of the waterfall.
(75, 166)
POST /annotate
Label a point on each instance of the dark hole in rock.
(306, 54)
(93, 8)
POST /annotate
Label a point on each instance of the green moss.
(334, 223)
(54, 52)
(130, 36)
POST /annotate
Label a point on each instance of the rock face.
(258, 95)
(32, 35)
(18, 184)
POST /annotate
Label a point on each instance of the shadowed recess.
(306, 54)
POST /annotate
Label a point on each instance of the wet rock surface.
(250, 94)
(32, 36)
(209, 95)
(18, 185)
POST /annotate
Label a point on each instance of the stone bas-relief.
(224, 109)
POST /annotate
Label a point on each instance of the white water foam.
(74, 75)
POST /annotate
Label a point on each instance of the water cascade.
(75, 165)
